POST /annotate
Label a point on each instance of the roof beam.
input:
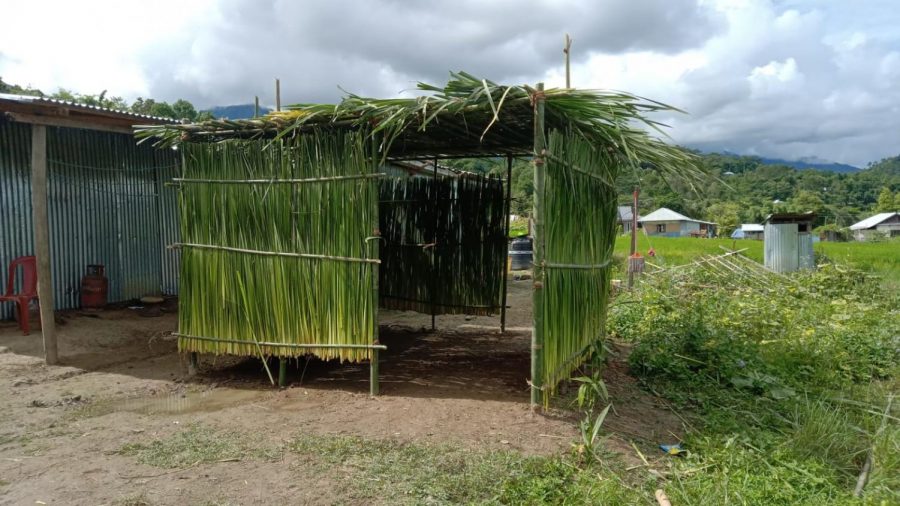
(92, 123)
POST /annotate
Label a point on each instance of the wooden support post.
(193, 363)
(277, 94)
(537, 215)
(374, 387)
(509, 164)
(41, 219)
(256, 106)
(634, 216)
(433, 280)
(282, 371)
(567, 51)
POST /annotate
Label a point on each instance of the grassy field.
(881, 258)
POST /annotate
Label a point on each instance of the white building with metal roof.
(666, 222)
(882, 224)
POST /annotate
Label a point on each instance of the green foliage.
(876, 258)
(887, 201)
(841, 198)
(789, 384)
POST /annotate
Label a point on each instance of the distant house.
(625, 218)
(882, 224)
(667, 222)
(748, 231)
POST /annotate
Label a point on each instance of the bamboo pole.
(434, 204)
(310, 256)
(537, 333)
(282, 371)
(193, 363)
(509, 164)
(375, 346)
(277, 94)
(374, 246)
(256, 106)
(40, 216)
(280, 181)
(567, 50)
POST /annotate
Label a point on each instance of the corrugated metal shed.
(789, 242)
(108, 205)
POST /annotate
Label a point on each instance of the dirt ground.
(121, 381)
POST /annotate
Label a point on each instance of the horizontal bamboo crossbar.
(552, 265)
(275, 253)
(281, 181)
(284, 345)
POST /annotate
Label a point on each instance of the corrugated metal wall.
(781, 247)
(108, 205)
(807, 256)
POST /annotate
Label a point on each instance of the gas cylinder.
(94, 287)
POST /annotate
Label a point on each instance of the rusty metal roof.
(53, 102)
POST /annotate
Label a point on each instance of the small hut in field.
(293, 236)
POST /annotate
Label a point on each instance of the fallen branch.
(867, 467)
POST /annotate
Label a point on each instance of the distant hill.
(812, 163)
(240, 111)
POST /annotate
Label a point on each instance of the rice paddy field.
(880, 258)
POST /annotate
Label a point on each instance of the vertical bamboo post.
(277, 94)
(509, 164)
(193, 363)
(374, 247)
(434, 200)
(537, 215)
(256, 106)
(41, 219)
(282, 371)
(567, 51)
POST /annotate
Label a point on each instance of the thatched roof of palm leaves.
(468, 117)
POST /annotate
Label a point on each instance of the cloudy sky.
(789, 79)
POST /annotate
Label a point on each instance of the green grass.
(197, 445)
(880, 258)
(406, 473)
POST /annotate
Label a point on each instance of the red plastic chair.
(29, 288)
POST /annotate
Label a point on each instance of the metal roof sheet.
(666, 214)
(625, 213)
(29, 99)
(872, 221)
(752, 227)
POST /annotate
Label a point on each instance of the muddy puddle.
(176, 403)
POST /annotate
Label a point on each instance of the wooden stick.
(509, 164)
(662, 499)
(41, 218)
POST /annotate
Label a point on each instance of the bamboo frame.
(537, 333)
(509, 164)
(283, 345)
(280, 181)
(310, 256)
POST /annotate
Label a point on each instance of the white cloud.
(788, 78)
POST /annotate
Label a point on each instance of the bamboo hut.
(292, 236)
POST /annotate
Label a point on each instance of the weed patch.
(198, 445)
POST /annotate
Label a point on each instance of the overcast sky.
(789, 79)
